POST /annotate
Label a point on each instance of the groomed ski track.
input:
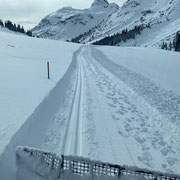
(109, 121)
(76, 141)
(73, 136)
(94, 113)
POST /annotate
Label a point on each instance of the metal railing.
(85, 167)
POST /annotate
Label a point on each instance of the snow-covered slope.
(68, 23)
(160, 21)
(162, 17)
(23, 77)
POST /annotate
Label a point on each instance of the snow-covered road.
(106, 112)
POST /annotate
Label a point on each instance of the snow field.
(24, 83)
(111, 105)
(160, 66)
(23, 77)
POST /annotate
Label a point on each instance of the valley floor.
(105, 112)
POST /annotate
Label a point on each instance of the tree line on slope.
(79, 38)
(121, 37)
(13, 27)
(116, 38)
(175, 45)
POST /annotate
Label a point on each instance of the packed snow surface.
(116, 108)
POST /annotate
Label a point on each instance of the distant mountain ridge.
(67, 23)
(159, 21)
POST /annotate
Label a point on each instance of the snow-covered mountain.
(68, 23)
(160, 19)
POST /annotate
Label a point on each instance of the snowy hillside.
(117, 105)
(67, 23)
(160, 19)
(23, 77)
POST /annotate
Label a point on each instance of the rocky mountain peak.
(100, 3)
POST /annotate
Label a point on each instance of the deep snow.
(23, 77)
(116, 109)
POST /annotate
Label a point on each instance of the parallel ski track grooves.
(64, 148)
(67, 146)
(78, 130)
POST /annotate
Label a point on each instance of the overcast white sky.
(30, 12)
